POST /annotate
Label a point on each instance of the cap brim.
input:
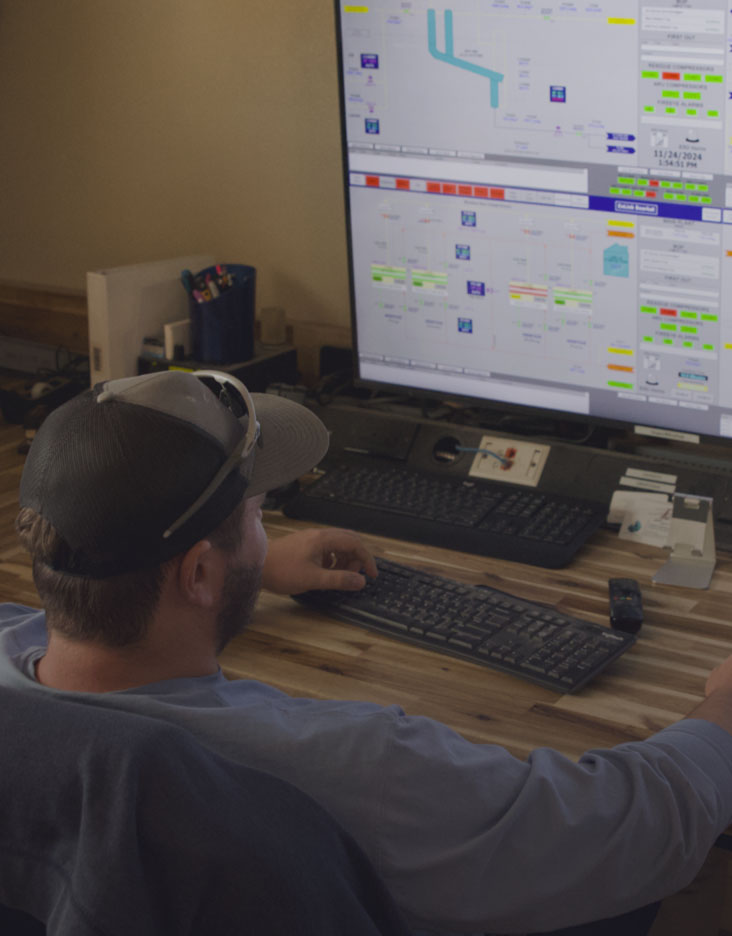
(293, 441)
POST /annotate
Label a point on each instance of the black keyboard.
(479, 624)
(487, 518)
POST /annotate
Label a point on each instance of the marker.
(211, 283)
(189, 283)
(224, 278)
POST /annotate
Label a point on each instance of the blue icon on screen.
(558, 94)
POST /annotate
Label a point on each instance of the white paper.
(643, 517)
(651, 475)
(647, 485)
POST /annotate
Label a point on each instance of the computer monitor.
(537, 200)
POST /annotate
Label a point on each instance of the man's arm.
(717, 707)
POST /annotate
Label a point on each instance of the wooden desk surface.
(687, 632)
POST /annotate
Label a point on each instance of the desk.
(685, 634)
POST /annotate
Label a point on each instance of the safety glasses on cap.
(234, 395)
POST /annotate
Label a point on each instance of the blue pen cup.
(222, 330)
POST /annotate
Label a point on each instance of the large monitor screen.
(540, 203)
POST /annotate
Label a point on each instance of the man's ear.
(199, 575)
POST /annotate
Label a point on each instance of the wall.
(134, 130)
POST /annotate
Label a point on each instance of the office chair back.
(113, 823)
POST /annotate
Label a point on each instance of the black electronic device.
(626, 605)
(540, 247)
(479, 624)
(485, 518)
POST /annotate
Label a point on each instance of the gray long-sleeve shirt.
(466, 836)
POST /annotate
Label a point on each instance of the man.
(140, 505)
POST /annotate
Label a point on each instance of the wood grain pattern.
(661, 679)
(657, 682)
(46, 314)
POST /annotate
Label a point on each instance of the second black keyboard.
(486, 518)
(479, 624)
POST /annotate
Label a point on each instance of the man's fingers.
(343, 580)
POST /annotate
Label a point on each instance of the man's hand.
(720, 678)
(316, 559)
(717, 706)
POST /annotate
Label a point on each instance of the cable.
(483, 451)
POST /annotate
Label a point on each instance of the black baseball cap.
(135, 471)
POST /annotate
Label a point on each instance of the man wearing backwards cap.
(140, 505)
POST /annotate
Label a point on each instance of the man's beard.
(239, 595)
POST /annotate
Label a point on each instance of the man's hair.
(114, 611)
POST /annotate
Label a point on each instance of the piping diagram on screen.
(448, 55)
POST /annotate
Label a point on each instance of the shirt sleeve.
(476, 839)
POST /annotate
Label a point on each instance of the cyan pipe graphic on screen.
(448, 55)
